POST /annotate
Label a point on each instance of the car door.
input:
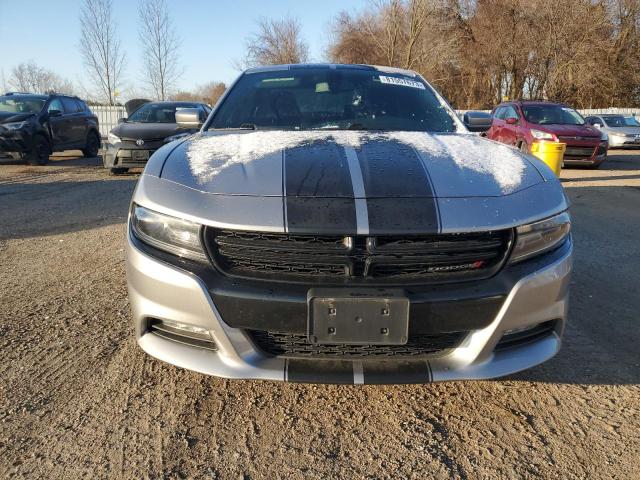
(510, 128)
(59, 130)
(76, 123)
(494, 133)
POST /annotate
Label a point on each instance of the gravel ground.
(78, 399)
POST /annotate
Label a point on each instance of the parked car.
(34, 126)
(631, 121)
(520, 123)
(619, 132)
(338, 223)
(136, 138)
(477, 122)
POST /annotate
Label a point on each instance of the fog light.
(182, 333)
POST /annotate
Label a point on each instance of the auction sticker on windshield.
(401, 81)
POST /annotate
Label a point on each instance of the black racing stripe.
(319, 169)
(384, 372)
(318, 189)
(319, 371)
(321, 215)
(392, 169)
(400, 197)
(397, 216)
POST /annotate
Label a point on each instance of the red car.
(521, 123)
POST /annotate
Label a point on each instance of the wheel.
(93, 145)
(40, 153)
(118, 171)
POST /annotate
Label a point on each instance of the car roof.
(331, 66)
(24, 94)
(176, 103)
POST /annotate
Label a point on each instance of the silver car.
(617, 128)
(338, 224)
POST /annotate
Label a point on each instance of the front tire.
(93, 145)
(40, 152)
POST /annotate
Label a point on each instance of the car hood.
(349, 164)
(9, 117)
(624, 130)
(570, 130)
(146, 131)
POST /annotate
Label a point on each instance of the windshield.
(332, 99)
(617, 121)
(551, 114)
(631, 122)
(14, 104)
(157, 113)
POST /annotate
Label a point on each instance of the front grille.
(358, 259)
(297, 345)
(151, 144)
(578, 152)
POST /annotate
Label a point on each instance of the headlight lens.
(540, 135)
(170, 234)
(113, 139)
(14, 125)
(540, 237)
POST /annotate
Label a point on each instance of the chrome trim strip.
(358, 373)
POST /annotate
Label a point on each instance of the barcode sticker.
(404, 82)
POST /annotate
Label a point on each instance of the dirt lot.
(79, 400)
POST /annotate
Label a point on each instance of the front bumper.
(15, 143)
(623, 142)
(159, 290)
(117, 157)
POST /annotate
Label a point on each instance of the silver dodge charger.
(339, 224)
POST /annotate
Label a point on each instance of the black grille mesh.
(321, 258)
(297, 345)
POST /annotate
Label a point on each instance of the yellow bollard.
(550, 153)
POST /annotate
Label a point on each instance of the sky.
(212, 33)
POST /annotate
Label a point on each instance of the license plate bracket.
(140, 154)
(357, 316)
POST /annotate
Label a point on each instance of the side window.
(55, 104)
(70, 105)
(202, 113)
(510, 112)
(82, 107)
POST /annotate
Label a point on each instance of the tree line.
(481, 52)
(476, 52)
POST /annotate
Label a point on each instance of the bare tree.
(4, 85)
(30, 77)
(208, 93)
(100, 47)
(276, 42)
(160, 47)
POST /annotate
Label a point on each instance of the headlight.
(113, 139)
(619, 135)
(171, 234)
(540, 237)
(540, 135)
(14, 125)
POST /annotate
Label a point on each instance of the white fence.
(108, 116)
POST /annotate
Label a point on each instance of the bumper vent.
(381, 259)
(297, 346)
(181, 335)
(529, 335)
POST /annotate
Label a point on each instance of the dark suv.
(34, 126)
(522, 123)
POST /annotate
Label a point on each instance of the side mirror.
(512, 120)
(188, 118)
(121, 120)
(477, 121)
(55, 113)
(597, 125)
